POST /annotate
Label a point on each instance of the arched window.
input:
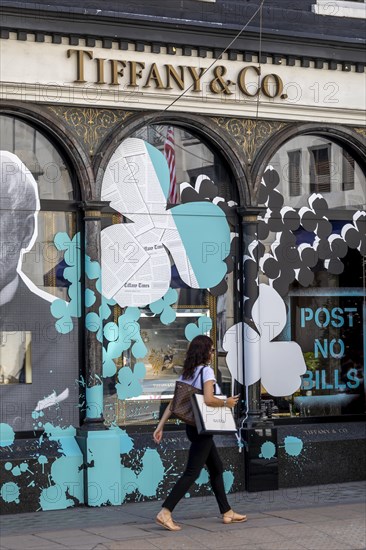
(314, 164)
(313, 232)
(194, 174)
(39, 349)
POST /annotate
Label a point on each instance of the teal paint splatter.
(148, 480)
(37, 414)
(10, 492)
(128, 482)
(66, 472)
(64, 436)
(94, 401)
(268, 450)
(152, 473)
(103, 450)
(125, 441)
(293, 445)
(203, 477)
(8, 466)
(7, 435)
(42, 459)
(228, 480)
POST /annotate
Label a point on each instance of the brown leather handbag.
(181, 405)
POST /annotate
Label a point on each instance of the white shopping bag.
(212, 420)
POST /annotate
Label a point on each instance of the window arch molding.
(345, 137)
(201, 126)
(71, 150)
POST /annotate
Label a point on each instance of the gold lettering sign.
(248, 80)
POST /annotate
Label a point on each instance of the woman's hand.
(231, 402)
(158, 435)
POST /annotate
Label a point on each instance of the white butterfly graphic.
(279, 365)
(136, 267)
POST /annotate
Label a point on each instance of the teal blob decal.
(152, 473)
(293, 445)
(268, 450)
(129, 381)
(228, 480)
(203, 477)
(163, 307)
(203, 326)
(10, 492)
(7, 435)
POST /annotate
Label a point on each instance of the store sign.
(337, 329)
(115, 72)
(114, 78)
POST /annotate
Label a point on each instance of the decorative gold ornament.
(361, 131)
(250, 135)
(91, 125)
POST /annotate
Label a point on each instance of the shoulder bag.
(181, 405)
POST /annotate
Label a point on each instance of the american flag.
(169, 152)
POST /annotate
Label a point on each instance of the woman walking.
(196, 371)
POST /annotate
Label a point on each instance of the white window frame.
(340, 8)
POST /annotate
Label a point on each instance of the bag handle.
(197, 377)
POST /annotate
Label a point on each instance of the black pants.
(202, 451)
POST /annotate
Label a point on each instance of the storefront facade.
(150, 194)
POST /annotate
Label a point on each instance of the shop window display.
(317, 265)
(182, 303)
(37, 361)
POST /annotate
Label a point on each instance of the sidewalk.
(319, 517)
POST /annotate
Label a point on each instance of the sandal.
(168, 524)
(233, 518)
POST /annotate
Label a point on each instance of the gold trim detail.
(91, 125)
(249, 134)
(92, 214)
(361, 131)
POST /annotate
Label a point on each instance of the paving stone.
(120, 532)
(324, 543)
(138, 544)
(178, 541)
(351, 532)
(294, 530)
(291, 544)
(84, 539)
(28, 542)
(299, 516)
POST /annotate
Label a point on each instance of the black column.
(93, 351)
(250, 290)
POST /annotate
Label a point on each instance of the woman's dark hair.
(198, 353)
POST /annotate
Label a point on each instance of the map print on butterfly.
(135, 261)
